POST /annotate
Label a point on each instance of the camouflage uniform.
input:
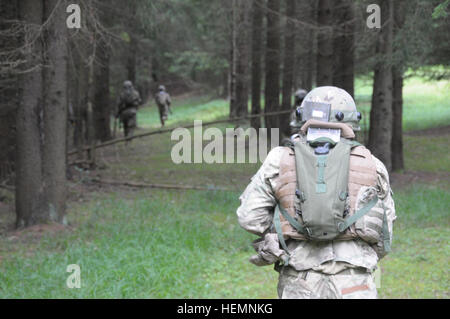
(129, 102)
(316, 269)
(163, 101)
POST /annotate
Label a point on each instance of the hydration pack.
(318, 193)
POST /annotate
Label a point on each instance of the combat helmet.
(327, 104)
(161, 88)
(127, 85)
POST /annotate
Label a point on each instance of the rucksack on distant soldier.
(163, 102)
(129, 102)
(322, 174)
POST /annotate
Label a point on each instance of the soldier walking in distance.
(163, 101)
(129, 102)
(322, 205)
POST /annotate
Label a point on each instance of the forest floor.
(156, 243)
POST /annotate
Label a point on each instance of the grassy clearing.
(435, 146)
(426, 104)
(159, 244)
(155, 245)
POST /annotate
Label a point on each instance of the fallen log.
(162, 186)
(166, 130)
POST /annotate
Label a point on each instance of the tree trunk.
(102, 101)
(288, 66)
(380, 134)
(397, 116)
(28, 153)
(325, 44)
(9, 87)
(397, 105)
(272, 64)
(257, 28)
(343, 45)
(305, 65)
(232, 55)
(241, 53)
(55, 110)
(131, 60)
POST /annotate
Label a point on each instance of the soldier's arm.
(385, 194)
(169, 101)
(255, 213)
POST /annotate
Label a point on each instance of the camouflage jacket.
(129, 99)
(255, 215)
(163, 99)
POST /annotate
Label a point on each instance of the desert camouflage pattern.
(163, 102)
(340, 101)
(337, 283)
(255, 214)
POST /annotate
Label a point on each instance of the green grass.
(155, 245)
(172, 244)
(435, 146)
(425, 104)
(185, 111)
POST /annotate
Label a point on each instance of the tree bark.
(305, 65)
(397, 116)
(232, 56)
(55, 110)
(102, 107)
(272, 64)
(288, 66)
(28, 142)
(325, 44)
(241, 56)
(131, 60)
(343, 45)
(257, 28)
(380, 134)
(397, 104)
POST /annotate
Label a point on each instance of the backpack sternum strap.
(321, 187)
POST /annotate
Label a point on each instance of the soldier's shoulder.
(381, 168)
(383, 177)
(275, 155)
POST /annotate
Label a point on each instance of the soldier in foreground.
(163, 101)
(322, 205)
(129, 102)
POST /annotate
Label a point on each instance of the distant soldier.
(163, 101)
(128, 104)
